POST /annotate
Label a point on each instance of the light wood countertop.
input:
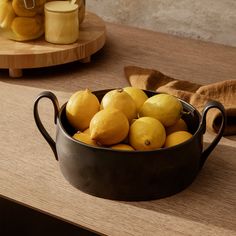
(30, 175)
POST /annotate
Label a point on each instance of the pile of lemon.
(127, 119)
(20, 22)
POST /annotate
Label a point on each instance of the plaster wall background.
(208, 20)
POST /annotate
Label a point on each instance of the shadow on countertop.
(210, 199)
(16, 219)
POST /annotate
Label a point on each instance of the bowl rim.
(162, 149)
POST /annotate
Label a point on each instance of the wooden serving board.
(16, 56)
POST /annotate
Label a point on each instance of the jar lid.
(60, 6)
(29, 4)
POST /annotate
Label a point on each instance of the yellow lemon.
(120, 100)
(164, 107)
(87, 131)
(21, 10)
(109, 126)
(3, 10)
(177, 138)
(26, 28)
(122, 146)
(180, 125)
(85, 138)
(81, 108)
(138, 95)
(147, 133)
(7, 14)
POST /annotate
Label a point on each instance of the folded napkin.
(196, 94)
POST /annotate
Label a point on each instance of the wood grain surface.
(39, 53)
(30, 175)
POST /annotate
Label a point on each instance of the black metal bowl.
(129, 175)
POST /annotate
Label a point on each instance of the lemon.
(120, 100)
(109, 126)
(138, 95)
(85, 138)
(164, 107)
(147, 133)
(7, 14)
(122, 146)
(21, 10)
(177, 138)
(87, 131)
(180, 125)
(3, 10)
(81, 108)
(26, 28)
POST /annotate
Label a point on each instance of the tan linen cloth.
(196, 94)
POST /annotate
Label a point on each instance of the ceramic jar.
(81, 10)
(61, 22)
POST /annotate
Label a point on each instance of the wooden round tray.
(16, 56)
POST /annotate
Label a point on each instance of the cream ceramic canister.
(61, 22)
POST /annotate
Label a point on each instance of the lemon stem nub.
(120, 90)
(147, 142)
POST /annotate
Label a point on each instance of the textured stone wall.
(209, 20)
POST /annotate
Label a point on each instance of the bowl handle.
(209, 149)
(53, 98)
